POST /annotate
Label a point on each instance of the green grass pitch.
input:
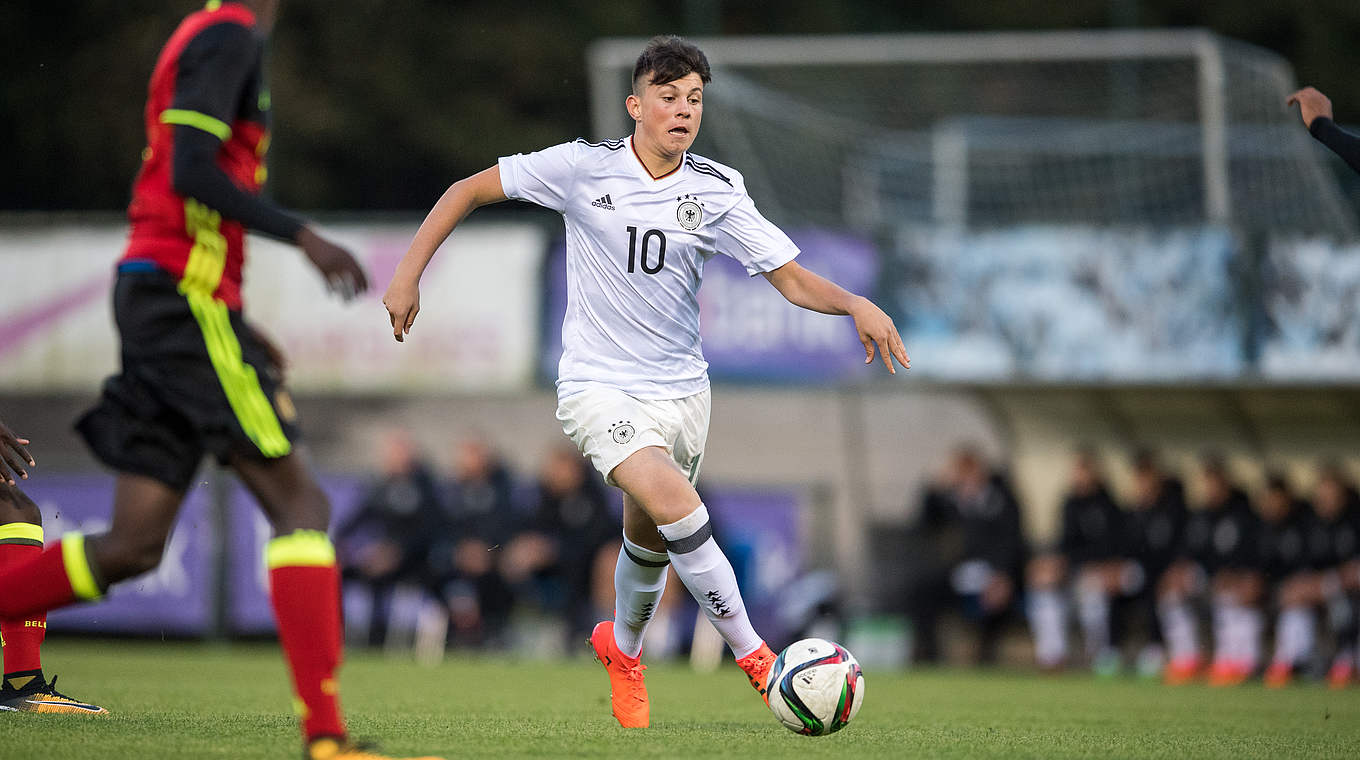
(178, 700)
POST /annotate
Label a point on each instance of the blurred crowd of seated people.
(1235, 586)
(482, 542)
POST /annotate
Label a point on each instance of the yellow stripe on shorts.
(239, 380)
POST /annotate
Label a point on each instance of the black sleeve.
(1341, 142)
(213, 70)
(1069, 541)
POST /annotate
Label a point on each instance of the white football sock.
(1048, 617)
(1247, 623)
(1093, 607)
(639, 582)
(1294, 635)
(1223, 639)
(1178, 628)
(708, 575)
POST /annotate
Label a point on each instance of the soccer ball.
(815, 687)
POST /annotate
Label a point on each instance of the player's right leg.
(639, 583)
(80, 568)
(1175, 590)
(25, 688)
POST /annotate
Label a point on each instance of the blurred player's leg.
(25, 688)
(304, 586)
(1178, 628)
(1295, 635)
(1342, 619)
(1046, 608)
(1047, 611)
(21, 540)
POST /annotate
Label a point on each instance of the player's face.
(668, 114)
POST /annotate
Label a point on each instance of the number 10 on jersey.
(646, 247)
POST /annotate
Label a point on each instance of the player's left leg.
(304, 586)
(1343, 617)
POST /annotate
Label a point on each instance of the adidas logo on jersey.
(604, 202)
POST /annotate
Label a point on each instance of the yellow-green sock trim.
(301, 548)
(78, 570)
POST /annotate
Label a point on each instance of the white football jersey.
(636, 247)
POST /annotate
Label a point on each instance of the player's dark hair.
(667, 58)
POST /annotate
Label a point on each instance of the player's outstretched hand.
(402, 300)
(877, 329)
(13, 455)
(1312, 104)
(344, 275)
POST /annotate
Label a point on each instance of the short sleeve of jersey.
(751, 239)
(543, 177)
(213, 69)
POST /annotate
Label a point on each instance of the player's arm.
(802, 287)
(13, 455)
(1316, 110)
(213, 70)
(403, 292)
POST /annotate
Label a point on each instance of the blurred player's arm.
(403, 292)
(805, 288)
(214, 69)
(1316, 110)
(13, 455)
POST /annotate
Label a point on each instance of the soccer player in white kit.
(643, 215)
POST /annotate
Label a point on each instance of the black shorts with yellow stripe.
(195, 379)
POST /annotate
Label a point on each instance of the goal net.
(1165, 127)
(1057, 205)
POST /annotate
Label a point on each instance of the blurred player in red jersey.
(196, 378)
(21, 539)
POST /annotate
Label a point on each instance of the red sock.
(305, 588)
(21, 637)
(58, 576)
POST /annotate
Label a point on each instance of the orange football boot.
(627, 691)
(1228, 673)
(1182, 671)
(1278, 675)
(1340, 675)
(757, 666)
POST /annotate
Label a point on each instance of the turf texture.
(186, 700)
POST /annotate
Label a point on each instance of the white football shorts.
(608, 425)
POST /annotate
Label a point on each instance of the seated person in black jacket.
(1287, 523)
(1217, 564)
(1077, 565)
(556, 551)
(387, 540)
(1330, 580)
(974, 522)
(466, 560)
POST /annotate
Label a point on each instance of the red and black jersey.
(207, 131)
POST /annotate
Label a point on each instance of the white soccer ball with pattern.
(815, 687)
